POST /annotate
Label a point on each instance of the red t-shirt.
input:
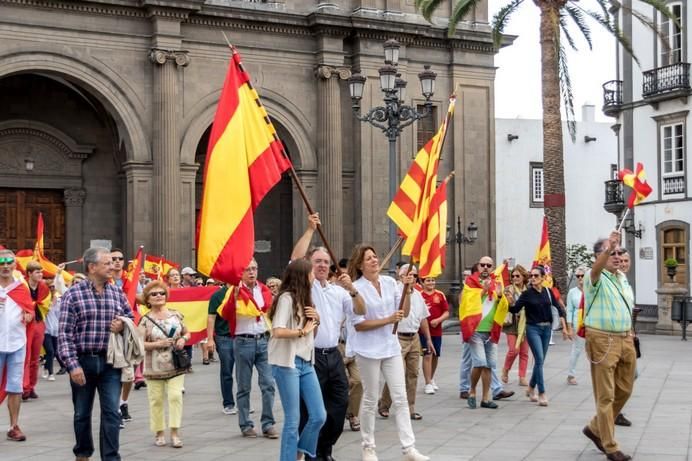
(437, 304)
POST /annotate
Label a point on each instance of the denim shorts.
(15, 369)
(483, 351)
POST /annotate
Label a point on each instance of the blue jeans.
(538, 337)
(105, 379)
(295, 384)
(465, 374)
(224, 346)
(249, 352)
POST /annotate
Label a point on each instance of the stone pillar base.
(666, 293)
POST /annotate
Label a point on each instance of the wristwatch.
(353, 293)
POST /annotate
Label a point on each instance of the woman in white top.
(291, 355)
(378, 351)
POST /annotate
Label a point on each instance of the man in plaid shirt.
(89, 313)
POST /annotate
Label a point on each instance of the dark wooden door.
(19, 209)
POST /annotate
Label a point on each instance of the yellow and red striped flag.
(542, 257)
(411, 203)
(637, 181)
(245, 159)
(432, 251)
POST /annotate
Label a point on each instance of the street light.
(394, 116)
(462, 239)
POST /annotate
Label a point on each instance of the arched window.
(673, 239)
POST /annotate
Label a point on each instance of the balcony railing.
(674, 185)
(612, 97)
(614, 198)
(663, 81)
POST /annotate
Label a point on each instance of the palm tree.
(558, 18)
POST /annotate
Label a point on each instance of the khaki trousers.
(159, 391)
(355, 387)
(612, 378)
(410, 354)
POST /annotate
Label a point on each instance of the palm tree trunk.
(553, 165)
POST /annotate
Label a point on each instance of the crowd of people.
(321, 335)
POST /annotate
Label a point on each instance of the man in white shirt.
(407, 332)
(334, 302)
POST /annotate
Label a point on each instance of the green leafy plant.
(578, 255)
(671, 263)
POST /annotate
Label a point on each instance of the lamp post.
(462, 239)
(394, 116)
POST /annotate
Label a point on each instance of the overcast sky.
(518, 82)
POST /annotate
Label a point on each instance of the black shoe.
(140, 384)
(33, 395)
(489, 404)
(620, 420)
(464, 394)
(503, 395)
(61, 371)
(124, 413)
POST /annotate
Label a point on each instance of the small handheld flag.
(637, 182)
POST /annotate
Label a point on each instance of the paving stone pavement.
(660, 408)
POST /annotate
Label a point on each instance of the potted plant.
(672, 267)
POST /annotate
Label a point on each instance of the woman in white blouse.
(378, 350)
(291, 355)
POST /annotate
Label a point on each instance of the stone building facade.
(106, 108)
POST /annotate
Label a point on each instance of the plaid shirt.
(607, 304)
(85, 320)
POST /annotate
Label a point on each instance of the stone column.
(329, 154)
(166, 151)
(74, 201)
(666, 293)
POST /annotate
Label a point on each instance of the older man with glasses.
(609, 343)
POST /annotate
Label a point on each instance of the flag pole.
(405, 293)
(622, 221)
(388, 256)
(78, 260)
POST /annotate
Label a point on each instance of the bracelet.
(301, 333)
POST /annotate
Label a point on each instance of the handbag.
(181, 359)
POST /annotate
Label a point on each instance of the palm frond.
(566, 91)
(501, 19)
(580, 20)
(607, 22)
(428, 7)
(564, 31)
(662, 7)
(458, 12)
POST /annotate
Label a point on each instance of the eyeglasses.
(579, 276)
(8, 261)
(118, 258)
(536, 276)
(488, 265)
(157, 293)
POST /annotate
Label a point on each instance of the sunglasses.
(157, 293)
(579, 276)
(536, 276)
(488, 265)
(7, 261)
(118, 258)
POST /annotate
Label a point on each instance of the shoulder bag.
(181, 360)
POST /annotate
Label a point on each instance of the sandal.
(416, 416)
(572, 380)
(160, 441)
(384, 413)
(205, 361)
(531, 394)
(176, 442)
(354, 423)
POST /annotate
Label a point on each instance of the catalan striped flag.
(481, 308)
(637, 181)
(411, 203)
(432, 251)
(542, 257)
(245, 159)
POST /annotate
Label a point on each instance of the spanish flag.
(239, 302)
(636, 181)
(24, 256)
(156, 267)
(432, 251)
(132, 281)
(411, 204)
(38, 246)
(480, 306)
(245, 159)
(543, 258)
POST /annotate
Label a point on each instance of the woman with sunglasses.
(574, 298)
(536, 302)
(163, 330)
(515, 329)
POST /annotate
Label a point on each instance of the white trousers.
(392, 369)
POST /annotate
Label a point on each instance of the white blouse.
(378, 343)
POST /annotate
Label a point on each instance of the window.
(425, 127)
(671, 33)
(536, 184)
(613, 171)
(674, 245)
(673, 158)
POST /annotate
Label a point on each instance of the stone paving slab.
(661, 409)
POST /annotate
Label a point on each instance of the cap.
(188, 271)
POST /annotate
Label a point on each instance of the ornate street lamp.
(461, 239)
(394, 116)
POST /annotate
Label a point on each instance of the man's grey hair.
(92, 256)
(6, 252)
(315, 249)
(598, 245)
(581, 269)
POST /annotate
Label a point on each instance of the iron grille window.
(425, 127)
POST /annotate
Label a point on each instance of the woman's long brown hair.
(357, 260)
(296, 282)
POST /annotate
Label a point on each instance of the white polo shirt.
(12, 329)
(250, 325)
(419, 312)
(333, 304)
(378, 343)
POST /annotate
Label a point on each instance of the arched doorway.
(273, 218)
(60, 153)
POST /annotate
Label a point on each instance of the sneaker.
(15, 434)
(271, 433)
(124, 413)
(51, 377)
(368, 454)
(230, 410)
(252, 410)
(44, 374)
(250, 433)
(122, 423)
(429, 389)
(414, 455)
(434, 385)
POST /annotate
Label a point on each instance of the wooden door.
(19, 210)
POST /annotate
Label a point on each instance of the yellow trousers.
(160, 390)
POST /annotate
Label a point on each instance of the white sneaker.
(230, 410)
(51, 377)
(368, 454)
(429, 389)
(44, 374)
(435, 386)
(414, 455)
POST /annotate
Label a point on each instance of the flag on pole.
(432, 252)
(134, 269)
(156, 267)
(637, 182)
(38, 246)
(411, 203)
(23, 257)
(542, 257)
(245, 159)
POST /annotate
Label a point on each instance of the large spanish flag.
(245, 159)
(432, 251)
(476, 306)
(637, 181)
(411, 203)
(542, 257)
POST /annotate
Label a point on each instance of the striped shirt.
(608, 303)
(85, 320)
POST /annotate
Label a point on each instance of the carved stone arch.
(104, 84)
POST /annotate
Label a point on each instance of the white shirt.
(250, 325)
(333, 304)
(12, 329)
(378, 343)
(419, 312)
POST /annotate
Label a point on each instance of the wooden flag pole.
(622, 221)
(78, 260)
(388, 256)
